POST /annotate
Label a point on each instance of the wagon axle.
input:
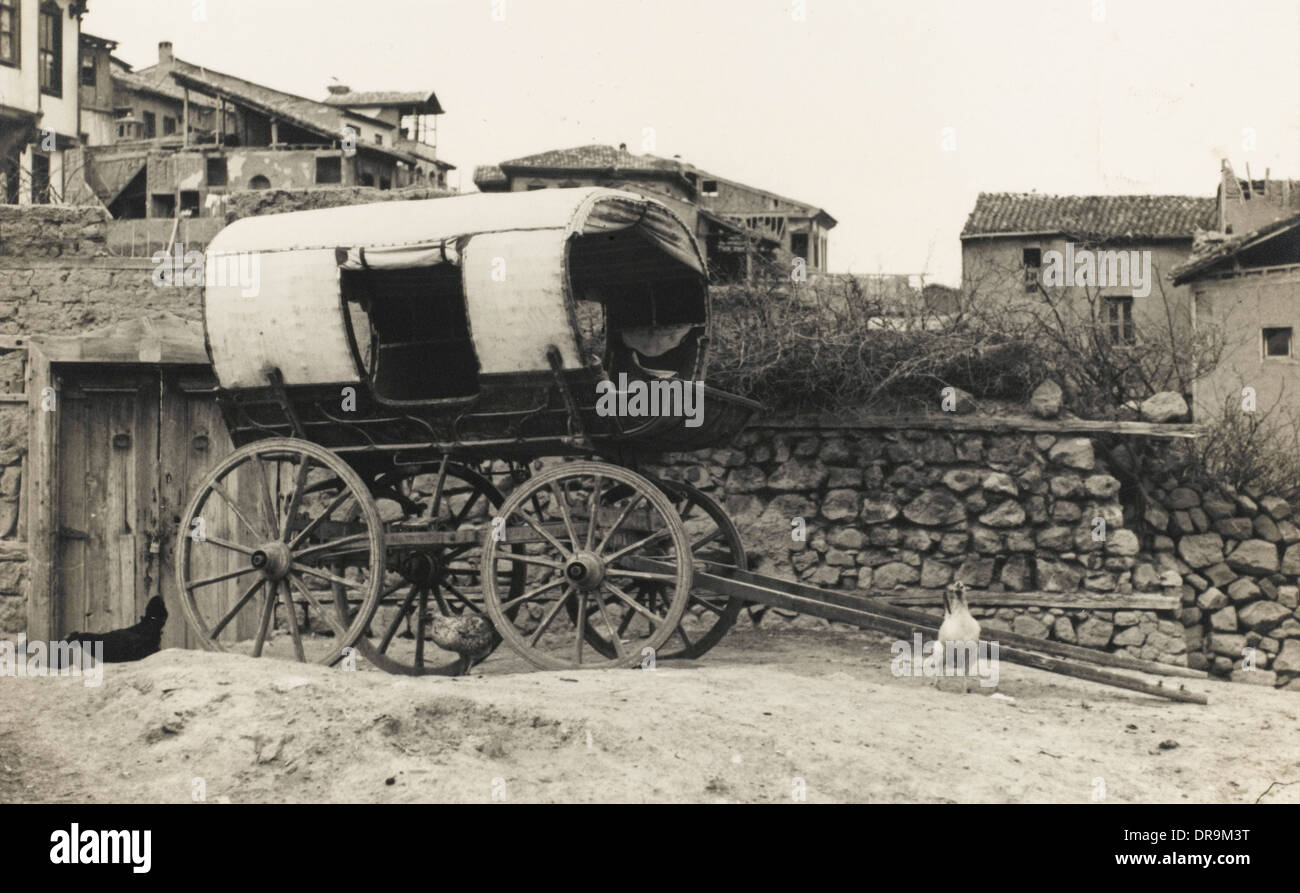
(272, 559)
(586, 570)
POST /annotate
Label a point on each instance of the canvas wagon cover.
(511, 248)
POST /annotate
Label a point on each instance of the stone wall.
(1239, 559)
(278, 201)
(912, 510)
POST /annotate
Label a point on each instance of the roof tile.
(1094, 216)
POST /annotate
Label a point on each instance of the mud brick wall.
(47, 231)
(915, 509)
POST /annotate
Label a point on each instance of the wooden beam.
(1136, 601)
(988, 424)
(41, 483)
(841, 607)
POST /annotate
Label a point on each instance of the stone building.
(1011, 239)
(186, 136)
(736, 224)
(38, 96)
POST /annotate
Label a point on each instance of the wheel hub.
(272, 559)
(585, 570)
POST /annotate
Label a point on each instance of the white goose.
(958, 628)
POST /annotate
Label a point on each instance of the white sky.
(845, 109)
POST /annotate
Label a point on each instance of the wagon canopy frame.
(276, 286)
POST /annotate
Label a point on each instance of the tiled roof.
(489, 174)
(1096, 216)
(593, 157)
(1213, 254)
(386, 98)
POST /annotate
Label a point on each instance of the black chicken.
(133, 643)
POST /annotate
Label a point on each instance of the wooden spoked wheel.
(714, 541)
(431, 579)
(280, 522)
(575, 528)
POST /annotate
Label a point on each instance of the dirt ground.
(766, 716)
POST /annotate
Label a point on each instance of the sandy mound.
(766, 715)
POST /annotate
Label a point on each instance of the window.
(40, 179)
(329, 169)
(1277, 342)
(709, 187)
(9, 43)
(150, 125)
(533, 186)
(379, 139)
(1119, 320)
(88, 69)
(216, 170)
(50, 43)
(259, 182)
(169, 125)
(1032, 259)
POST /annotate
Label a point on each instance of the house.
(1246, 284)
(185, 136)
(737, 225)
(38, 96)
(1103, 254)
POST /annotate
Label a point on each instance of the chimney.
(339, 89)
(164, 52)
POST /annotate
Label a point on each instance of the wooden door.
(133, 446)
(108, 448)
(192, 439)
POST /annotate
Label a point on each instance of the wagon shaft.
(871, 614)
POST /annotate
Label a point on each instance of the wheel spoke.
(706, 604)
(268, 610)
(615, 635)
(325, 575)
(208, 581)
(507, 605)
(627, 513)
(582, 627)
(226, 544)
(268, 504)
(292, 611)
(332, 544)
(397, 618)
(337, 501)
(469, 504)
(437, 490)
(525, 558)
(550, 616)
(421, 618)
(217, 488)
(299, 482)
(657, 535)
(593, 507)
(307, 593)
(239, 606)
(564, 513)
(654, 619)
(705, 540)
(642, 575)
(546, 534)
